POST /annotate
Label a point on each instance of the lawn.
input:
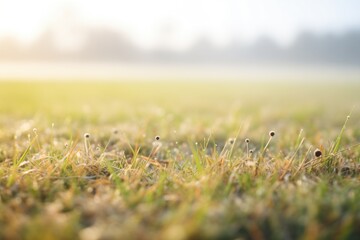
(156, 160)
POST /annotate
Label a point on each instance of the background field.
(198, 181)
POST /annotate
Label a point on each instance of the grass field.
(81, 160)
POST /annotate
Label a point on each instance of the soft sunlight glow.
(177, 24)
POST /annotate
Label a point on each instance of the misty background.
(109, 45)
(117, 39)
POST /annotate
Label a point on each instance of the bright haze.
(167, 38)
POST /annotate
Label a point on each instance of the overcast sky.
(177, 24)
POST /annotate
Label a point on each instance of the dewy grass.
(339, 137)
(133, 178)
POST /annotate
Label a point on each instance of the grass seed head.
(317, 153)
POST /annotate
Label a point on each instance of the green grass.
(197, 181)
